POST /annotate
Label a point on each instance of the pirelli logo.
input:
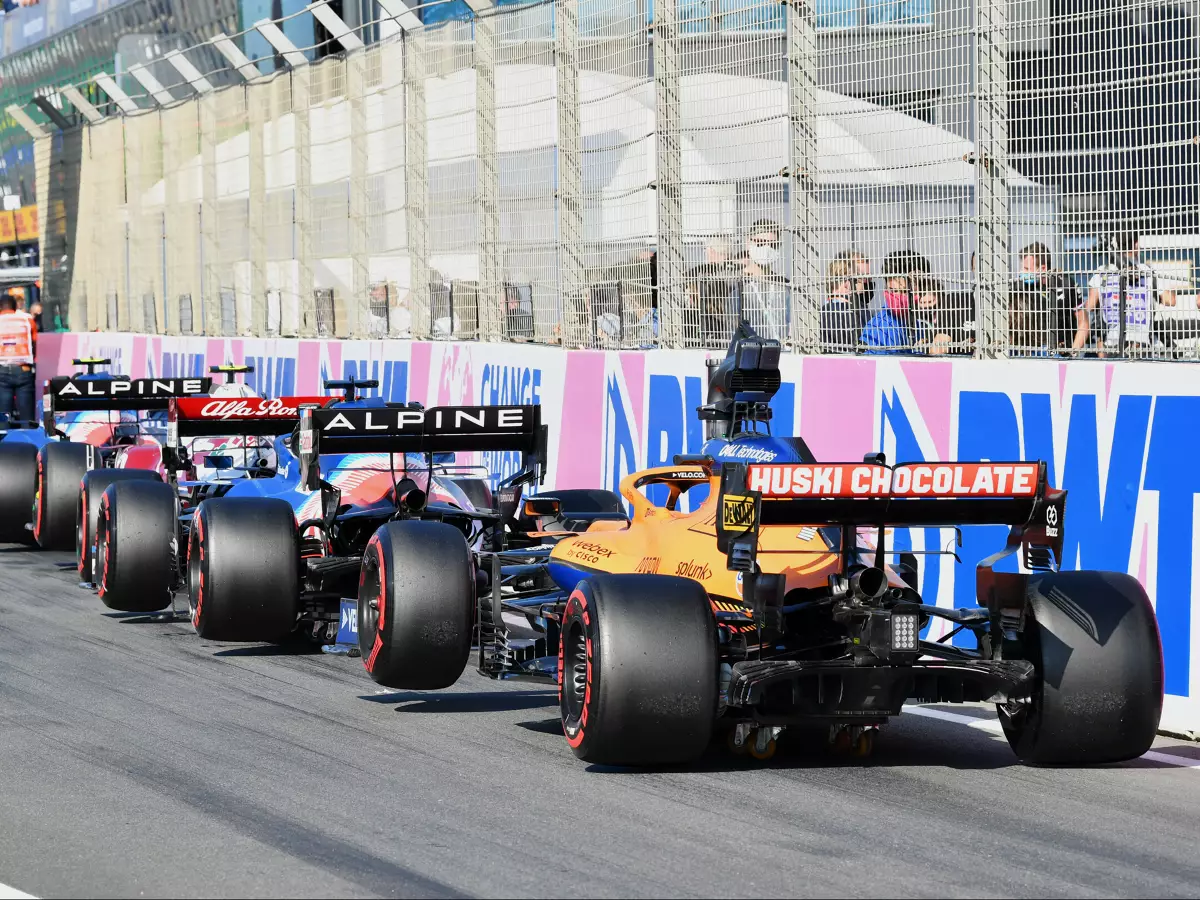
(737, 511)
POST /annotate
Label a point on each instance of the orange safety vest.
(16, 339)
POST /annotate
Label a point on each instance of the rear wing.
(192, 417)
(212, 417)
(65, 394)
(873, 494)
(409, 429)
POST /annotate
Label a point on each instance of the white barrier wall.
(1119, 437)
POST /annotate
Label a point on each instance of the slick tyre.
(60, 469)
(1094, 641)
(416, 605)
(243, 570)
(135, 546)
(638, 670)
(18, 485)
(91, 490)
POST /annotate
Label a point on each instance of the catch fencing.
(849, 176)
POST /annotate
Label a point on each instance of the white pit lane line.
(992, 726)
(11, 893)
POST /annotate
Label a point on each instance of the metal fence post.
(356, 305)
(803, 199)
(257, 114)
(487, 179)
(210, 289)
(416, 179)
(668, 174)
(991, 183)
(570, 172)
(306, 284)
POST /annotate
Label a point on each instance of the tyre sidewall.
(240, 593)
(18, 490)
(422, 575)
(579, 618)
(61, 468)
(1098, 654)
(135, 526)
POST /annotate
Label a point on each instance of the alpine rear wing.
(64, 394)
(872, 494)
(410, 429)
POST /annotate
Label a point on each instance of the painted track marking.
(992, 726)
(11, 893)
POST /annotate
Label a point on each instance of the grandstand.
(562, 171)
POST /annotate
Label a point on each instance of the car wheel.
(135, 559)
(91, 490)
(18, 487)
(638, 670)
(1093, 639)
(60, 467)
(416, 605)
(243, 570)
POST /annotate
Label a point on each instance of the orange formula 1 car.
(773, 604)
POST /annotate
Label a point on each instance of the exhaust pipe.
(868, 584)
(414, 500)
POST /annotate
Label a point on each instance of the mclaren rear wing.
(65, 394)
(409, 429)
(872, 494)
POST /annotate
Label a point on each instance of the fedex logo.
(873, 481)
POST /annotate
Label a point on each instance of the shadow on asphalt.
(476, 702)
(296, 648)
(544, 726)
(145, 618)
(801, 750)
(22, 548)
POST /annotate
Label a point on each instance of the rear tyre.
(60, 467)
(416, 605)
(638, 670)
(18, 485)
(92, 488)
(135, 546)
(243, 570)
(1094, 641)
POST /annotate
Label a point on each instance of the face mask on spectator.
(764, 255)
(1030, 278)
(896, 300)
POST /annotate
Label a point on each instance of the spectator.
(764, 294)
(930, 313)
(956, 317)
(35, 310)
(1043, 304)
(862, 289)
(842, 319)
(712, 298)
(18, 352)
(892, 329)
(718, 251)
(1127, 282)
